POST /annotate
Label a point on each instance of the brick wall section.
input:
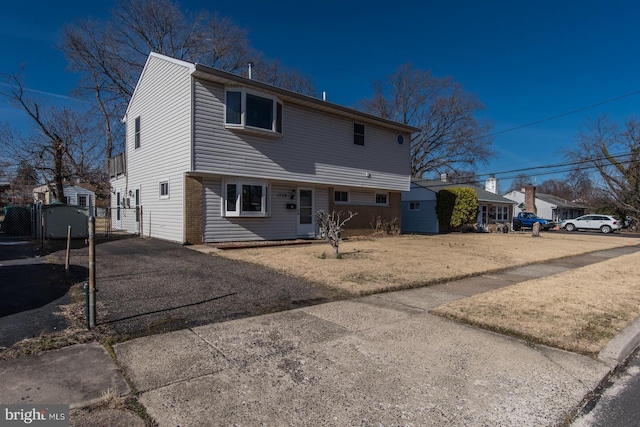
(193, 210)
(530, 198)
(360, 225)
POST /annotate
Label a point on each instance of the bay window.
(251, 112)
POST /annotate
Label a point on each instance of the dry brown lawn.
(379, 264)
(579, 310)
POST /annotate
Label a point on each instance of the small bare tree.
(331, 226)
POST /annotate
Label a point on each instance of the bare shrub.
(385, 226)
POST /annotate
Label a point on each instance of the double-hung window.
(502, 213)
(137, 132)
(252, 112)
(245, 198)
(163, 189)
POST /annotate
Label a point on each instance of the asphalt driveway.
(148, 286)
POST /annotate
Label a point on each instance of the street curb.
(622, 345)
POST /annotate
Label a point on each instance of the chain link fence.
(41, 222)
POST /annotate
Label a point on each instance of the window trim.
(238, 211)
(162, 183)
(358, 137)
(502, 213)
(136, 133)
(381, 193)
(276, 113)
(341, 202)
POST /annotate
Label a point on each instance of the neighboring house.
(211, 156)
(74, 194)
(547, 206)
(419, 206)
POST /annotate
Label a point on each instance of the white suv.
(604, 223)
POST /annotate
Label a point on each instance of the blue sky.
(526, 61)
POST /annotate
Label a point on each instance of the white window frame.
(136, 133)
(341, 202)
(85, 200)
(414, 206)
(162, 195)
(276, 115)
(502, 213)
(238, 211)
(380, 193)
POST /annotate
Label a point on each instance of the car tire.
(605, 229)
(570, 227)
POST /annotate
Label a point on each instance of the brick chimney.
(530, 198)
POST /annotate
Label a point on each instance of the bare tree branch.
(451, 138)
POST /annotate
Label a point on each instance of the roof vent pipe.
(250, 70)
(324, 95)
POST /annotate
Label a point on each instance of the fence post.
(92, 271)
(66, 262)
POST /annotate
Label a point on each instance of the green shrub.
(456, 207)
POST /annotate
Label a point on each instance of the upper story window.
(358, 134)
(137, 132)
(341, 196)
(414, 206)
(82, 200)
(251, 112)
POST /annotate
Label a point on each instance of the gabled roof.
(558, 201)
(222, 77)
(483, 195)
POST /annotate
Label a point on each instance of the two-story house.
(212, 156)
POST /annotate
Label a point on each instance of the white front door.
(306, 218)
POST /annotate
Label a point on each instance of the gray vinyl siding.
(315, 148)
(162, 100)
(280, 224)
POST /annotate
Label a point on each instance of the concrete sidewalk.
(380, 359)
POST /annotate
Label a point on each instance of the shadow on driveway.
(147, 286)
(31, 292)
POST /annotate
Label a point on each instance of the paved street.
(617, 404)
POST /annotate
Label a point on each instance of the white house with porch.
(212, 156)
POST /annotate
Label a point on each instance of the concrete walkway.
(380, 360)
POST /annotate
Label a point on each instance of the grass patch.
(579, 310)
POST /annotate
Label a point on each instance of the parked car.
(604, 223)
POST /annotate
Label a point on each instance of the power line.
(568, 113)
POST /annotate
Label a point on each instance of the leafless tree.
(60, 145)
(110, 55)
(613, 151)
(519, 182)
(451, 137)
(332, 225)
